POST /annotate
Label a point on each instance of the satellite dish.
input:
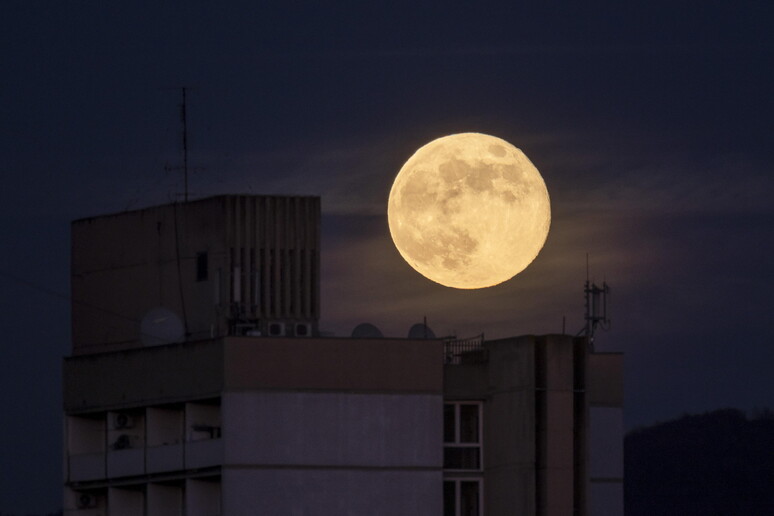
(421, 331)
(366, 331)
(161, 326)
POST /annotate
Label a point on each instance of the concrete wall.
(85, 435)
(332, 430)
(506, 385)
(126, 264)
(534, 422)
(332, 426)
(348, 492)
(126, 502)
(606, 429)
(262, 265)
(203, 497)
(509, 428)
(164, 500)
(606, 498)
(141, 377)
(606, 434)
(339, 364)
(556, 419)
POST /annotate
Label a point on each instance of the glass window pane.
(461, 458)
(448, 423)
(469, 423)
(201, 267)
(449, 499)
(469, 503)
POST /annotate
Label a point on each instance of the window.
(201, 266)
(462, 497)
(462, 436)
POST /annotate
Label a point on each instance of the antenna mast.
(596, 306)
(184, 122)
(185, 146)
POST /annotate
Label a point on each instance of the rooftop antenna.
(184, 123)
(184, 120)
(596, 306)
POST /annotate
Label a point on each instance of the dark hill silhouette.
(719, 463)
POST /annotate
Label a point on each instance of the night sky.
(651, 125)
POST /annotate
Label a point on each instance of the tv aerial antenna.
(596, 302)
(184, 123)
(184, 120)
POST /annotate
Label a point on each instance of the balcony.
(141, 441)
(86, 466)
(164, 458)
(126, 463)
(168, 458)
(204, 453)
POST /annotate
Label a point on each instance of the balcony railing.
(145, 460)
(464, 351)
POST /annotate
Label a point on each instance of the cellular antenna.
(596, 306)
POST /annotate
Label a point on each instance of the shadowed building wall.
(539, 456)
(225, 265)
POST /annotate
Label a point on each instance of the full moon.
(469, 211)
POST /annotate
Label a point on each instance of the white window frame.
(457, 443)
(457, 481)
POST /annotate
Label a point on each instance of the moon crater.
(469, 211)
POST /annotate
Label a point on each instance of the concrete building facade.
(226, 265)
(256, 425)
(199, 386)
(551, 426)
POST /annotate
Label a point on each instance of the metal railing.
(464, 351)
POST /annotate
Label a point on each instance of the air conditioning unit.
(124, 442)
(87, 501)
(122, 421)
(276, 329)
(303, 330)
(244, 329)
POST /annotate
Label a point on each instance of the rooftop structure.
(226, 265)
